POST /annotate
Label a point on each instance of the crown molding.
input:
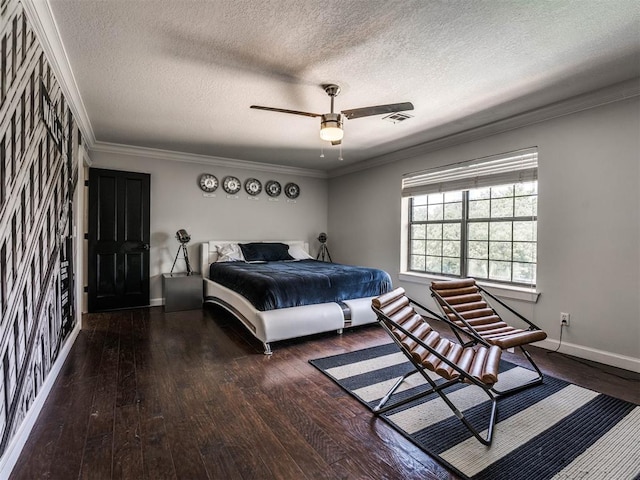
(44, 25)
(173, 156)
(614, 93)
(41, 17)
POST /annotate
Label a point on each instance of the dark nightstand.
(182, 291)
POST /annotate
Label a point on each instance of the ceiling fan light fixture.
(331, 127)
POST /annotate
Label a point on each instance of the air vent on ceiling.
(397, 117)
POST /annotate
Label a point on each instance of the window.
(466, 223)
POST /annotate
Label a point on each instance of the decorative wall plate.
(291, 190)
(208, 183)
(231, 185)
(273, 188)
(252, 186)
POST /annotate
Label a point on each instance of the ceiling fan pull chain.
(340, 154)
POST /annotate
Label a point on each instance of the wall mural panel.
(38, 176)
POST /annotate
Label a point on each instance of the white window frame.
(508, 168)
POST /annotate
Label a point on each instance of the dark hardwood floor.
(153, 395)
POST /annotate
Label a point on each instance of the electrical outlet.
(564, 319)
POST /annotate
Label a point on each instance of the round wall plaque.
(231, 185)
(208, 183)
(291, 190)
(273, 188)
(252, 186)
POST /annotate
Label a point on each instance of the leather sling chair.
(465, 305)
(427, 350)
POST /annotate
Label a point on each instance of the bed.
(339, 299)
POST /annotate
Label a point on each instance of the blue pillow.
(265, 252)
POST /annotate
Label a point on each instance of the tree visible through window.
(488, 233)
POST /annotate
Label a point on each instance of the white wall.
(177, 202)
(588, 224)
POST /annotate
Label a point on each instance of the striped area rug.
(552, 431)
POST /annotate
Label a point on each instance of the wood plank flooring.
(189, 395)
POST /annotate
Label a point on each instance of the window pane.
(502, 191)
(453, 211)
(500, 230)
(418, 232)
(451, 231)
(453, 196)
(419, 214)
(529, 188)
(435, 212)
(498, 247)
(500, 271)
(526, 206)
(434, 232)
(451, 249)
(479, 209)
(479, 193)
(524, 252)
(525, 231)
(434, 264)
(417, 262)
(500, 250)
(451, 266)
(524, 273)
(418, 246)
(478, 231)
(478, 268)
(478, 249)
(436, 198)
(434, 247)
(502, 207)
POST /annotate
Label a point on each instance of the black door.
(118, 239)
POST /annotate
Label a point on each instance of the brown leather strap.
(398, 314)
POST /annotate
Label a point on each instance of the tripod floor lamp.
(183, 238)
(324, 251)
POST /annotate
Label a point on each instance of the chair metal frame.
(477, 337)
(464, 377)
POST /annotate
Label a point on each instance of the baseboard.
(156, 302)
(608, 358)
(15, 446)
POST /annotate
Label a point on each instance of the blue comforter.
(273, 285)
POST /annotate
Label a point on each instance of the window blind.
(513, 167)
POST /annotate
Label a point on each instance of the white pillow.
(229, 252)
(295, 243)
(299, 253)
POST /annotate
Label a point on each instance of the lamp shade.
(331, 127)
(182, 236)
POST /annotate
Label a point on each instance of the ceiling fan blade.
(283, 110)
(377, 110)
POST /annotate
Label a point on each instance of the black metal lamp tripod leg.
(182, 248)
(322, 252)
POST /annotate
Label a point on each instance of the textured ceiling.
(181, 75)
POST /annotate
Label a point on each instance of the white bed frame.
(273, 325)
